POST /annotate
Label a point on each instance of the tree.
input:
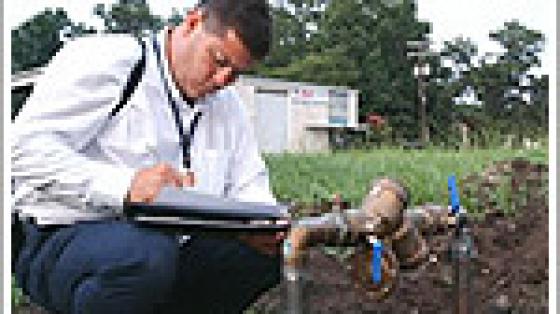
(374, 34)
(539, 106)
(129, 16)
(287, 43)
(460, 53)
(522, 46)
(309, 15)
(512, 101)
(503, 85)
(327, 68)
(360, 44)
(176, 18)
(449, 79)
(36, 41)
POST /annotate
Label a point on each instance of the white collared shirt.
(67, 160)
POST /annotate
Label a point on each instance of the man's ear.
(193, 20)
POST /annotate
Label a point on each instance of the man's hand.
(148, 182)
(265, 243)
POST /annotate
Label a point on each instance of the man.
(181, 127)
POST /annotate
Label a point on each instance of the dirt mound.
(509, 270)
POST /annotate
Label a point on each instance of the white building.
(297, 117)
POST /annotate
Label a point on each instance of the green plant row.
(309, 178)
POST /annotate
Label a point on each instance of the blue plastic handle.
(376, 262)
(453, 195)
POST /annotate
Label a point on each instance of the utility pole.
(420, 51)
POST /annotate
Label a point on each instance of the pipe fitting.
(382, 216)
(361, 271)
(385, 203)
(430, 218)
(410, 247)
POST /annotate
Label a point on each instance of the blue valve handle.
(376, 261)
(453, 194)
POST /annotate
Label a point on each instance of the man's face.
(204, 62)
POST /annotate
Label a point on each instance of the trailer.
(298, 117)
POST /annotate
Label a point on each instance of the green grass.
(306, 178)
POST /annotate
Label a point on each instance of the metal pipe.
(461, 252)
(382, 217)
(294, 290)
(462, 249)
(430, 218)
(361, 272)
(410, 247)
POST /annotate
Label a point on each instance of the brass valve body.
(382, 216)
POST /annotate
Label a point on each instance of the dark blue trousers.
(117, 267)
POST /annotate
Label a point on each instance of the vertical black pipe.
(462, 253)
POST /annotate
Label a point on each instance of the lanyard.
(185, 140)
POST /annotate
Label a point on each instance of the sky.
(449, 18)
(476, 18)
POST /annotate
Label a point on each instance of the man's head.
(216, 41)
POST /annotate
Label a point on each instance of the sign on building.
(297, 117)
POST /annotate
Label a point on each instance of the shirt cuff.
(110, 187)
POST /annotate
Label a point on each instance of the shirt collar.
(175, 93)
(201, 104)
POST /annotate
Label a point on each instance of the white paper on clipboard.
(188, 199)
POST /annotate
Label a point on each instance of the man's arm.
(70, 103)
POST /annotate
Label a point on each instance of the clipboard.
(188, 209)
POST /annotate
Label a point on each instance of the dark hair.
(250, 18)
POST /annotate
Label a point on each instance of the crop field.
(310, 178)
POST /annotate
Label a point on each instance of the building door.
(271, 114)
